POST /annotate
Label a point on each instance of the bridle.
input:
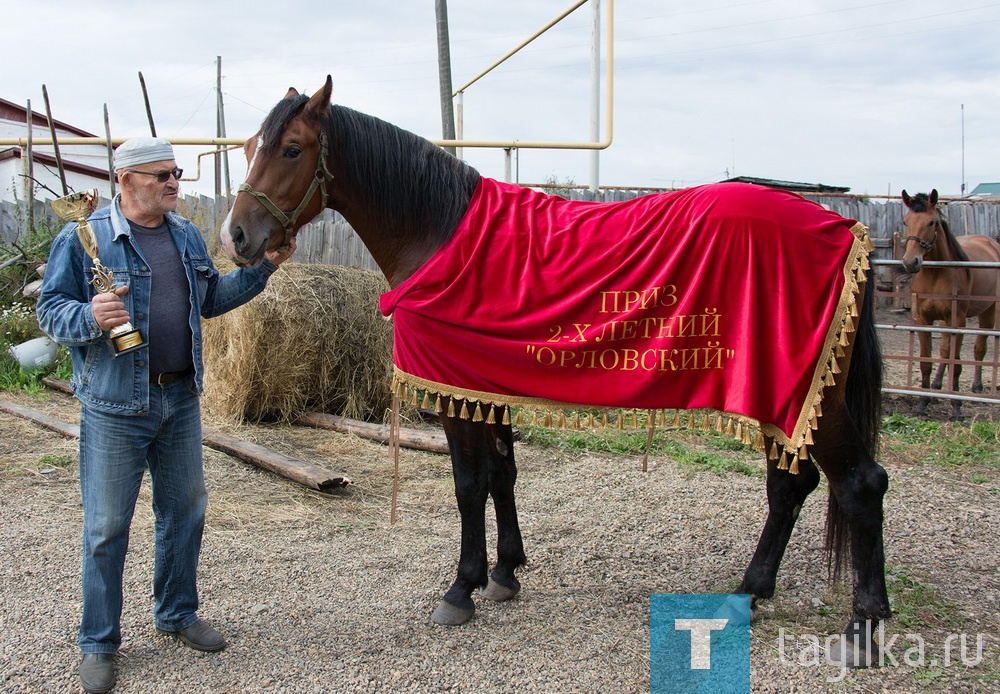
(321, 177)
(924, 244)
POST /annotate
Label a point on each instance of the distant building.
(790, 185)
(85, 166)
(986, 191)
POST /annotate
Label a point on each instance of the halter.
(320, 179)
(923, 244)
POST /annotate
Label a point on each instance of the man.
(141, 409)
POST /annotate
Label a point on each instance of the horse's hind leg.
(858, 485)
(785, 494)
(503, 584)
(987, 320)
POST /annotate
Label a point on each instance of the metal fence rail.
(912, 359)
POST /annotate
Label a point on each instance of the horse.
(951, 294)
(404, 197)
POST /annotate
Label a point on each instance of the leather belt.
(168, 377)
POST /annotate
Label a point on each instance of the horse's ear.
(934, 197)
(291, 93)
(906, 198)
(319, 103)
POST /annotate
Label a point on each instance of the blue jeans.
(115, 451)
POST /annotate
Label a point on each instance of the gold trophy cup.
(77, 207)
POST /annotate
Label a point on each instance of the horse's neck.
(944, 248)
(403, 196)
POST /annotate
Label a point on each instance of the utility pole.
(444, 73)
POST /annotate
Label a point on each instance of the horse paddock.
(320, 593)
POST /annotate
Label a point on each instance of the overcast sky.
(857, 93)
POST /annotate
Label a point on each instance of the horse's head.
(923, 225)
(287, 178)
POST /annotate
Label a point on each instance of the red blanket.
(727, 296)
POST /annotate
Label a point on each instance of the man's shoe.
(97, 672)
(199, 636)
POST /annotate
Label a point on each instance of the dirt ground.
(320, 593)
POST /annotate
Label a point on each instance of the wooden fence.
(329, 238)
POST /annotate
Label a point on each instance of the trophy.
(77, 207)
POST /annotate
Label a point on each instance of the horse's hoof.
(498, 593)
(448, 615)
(843, 653)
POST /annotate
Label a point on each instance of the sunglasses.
(161, 176)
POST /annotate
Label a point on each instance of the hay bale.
(313, 340)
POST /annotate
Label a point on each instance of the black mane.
(404, 175)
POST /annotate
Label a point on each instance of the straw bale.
(312, 341)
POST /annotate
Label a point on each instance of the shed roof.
(790, 185)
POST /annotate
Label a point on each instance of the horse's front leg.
(503, 584)
(954, 355)
(467, 443)
(924, 340)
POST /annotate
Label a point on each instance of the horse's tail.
(864, 402)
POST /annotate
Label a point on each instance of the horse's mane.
(921, 202)
(406, 176)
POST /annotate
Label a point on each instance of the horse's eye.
(292, 152)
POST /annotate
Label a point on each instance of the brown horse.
(404, 197)
(950, 295)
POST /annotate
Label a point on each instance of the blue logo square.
(699, 643)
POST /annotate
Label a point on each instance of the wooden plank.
(431, 441)
(299, 471)
(304, 473)
(68, 430)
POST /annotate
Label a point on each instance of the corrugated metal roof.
(986, 189)
(789, 185)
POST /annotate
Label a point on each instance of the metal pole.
(222, 129)
(111, 151)
(55, 142)
(963, 150)
(460, 118)
(149, 112)
(444, 73)
(29, 180)
(218, 153)
(595, 94)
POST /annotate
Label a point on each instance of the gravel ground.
(319, 593)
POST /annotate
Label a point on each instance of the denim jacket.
(121, 385)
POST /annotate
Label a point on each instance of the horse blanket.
(727, 296)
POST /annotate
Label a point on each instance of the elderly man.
(140, 408)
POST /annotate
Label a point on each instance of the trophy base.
(127, 342)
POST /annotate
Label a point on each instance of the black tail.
(864, 402)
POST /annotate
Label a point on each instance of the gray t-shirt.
(170, 300)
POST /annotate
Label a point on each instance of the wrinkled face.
(280, 172)
(144, 193)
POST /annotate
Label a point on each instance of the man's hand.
(281, 253)
(109, 309)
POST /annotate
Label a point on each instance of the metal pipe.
(943, 396)
(524, 43)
